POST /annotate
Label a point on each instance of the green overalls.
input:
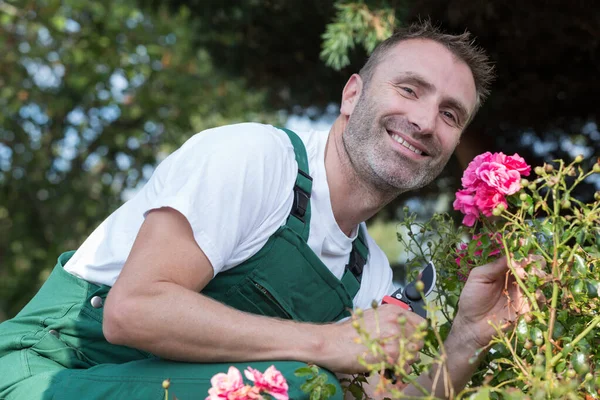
(54, 348)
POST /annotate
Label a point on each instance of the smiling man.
(248, 247)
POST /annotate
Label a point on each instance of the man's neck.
(352, 199)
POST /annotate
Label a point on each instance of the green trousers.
(54, 349)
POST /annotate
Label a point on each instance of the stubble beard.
(375, 162)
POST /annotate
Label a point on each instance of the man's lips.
(416, 148)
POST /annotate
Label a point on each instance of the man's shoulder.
(242, 136)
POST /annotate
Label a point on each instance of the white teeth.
(406, 144)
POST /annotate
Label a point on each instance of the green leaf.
(304, 371)
(356, 391)
(522, 329)
(485, 241)
(579, 360)
(330, 389)
(580, 266)
(483, 394)
(315, 394)
(472, 246)
(561, 366)
(307, 386)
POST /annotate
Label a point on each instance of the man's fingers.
(396, 312)
(491, 271)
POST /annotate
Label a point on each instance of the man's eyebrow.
(418, 80)
(415, 79)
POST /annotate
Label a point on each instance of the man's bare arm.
(155, 305)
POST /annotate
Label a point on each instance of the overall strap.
(358, 258)
(299, 218)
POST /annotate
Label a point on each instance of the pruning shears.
(409, 297)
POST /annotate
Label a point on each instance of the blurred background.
(93, 95)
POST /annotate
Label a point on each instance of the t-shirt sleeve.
(234, 185)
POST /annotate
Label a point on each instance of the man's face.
(408, 119)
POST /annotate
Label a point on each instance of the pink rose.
(497, 176)
(465, 203)
(272, 382)
(516, 163)
(278, 387)
(470, 178)
(245, 393)
(225, 384)
(486, 182)
(486, 199)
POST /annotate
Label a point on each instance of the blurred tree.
(542, 104)
(92, 94)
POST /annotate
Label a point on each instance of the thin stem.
(514, 221)
(520, 282)
(555, 273)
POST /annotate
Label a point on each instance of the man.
(236, 252)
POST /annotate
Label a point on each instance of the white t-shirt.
(234, 184)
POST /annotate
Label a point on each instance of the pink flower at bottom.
(272, 382)
(225, 384)
(245, 393)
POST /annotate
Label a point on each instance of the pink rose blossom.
(245, 393)
(497, 176)
(487, 199)
(515, 162)
(465, 202)
(486, 182)
(272, 382)
(225, 384)
(470, 178)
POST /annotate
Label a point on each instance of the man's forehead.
(433, 61)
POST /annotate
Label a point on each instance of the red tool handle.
(391, 300)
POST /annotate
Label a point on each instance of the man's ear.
(351, 94)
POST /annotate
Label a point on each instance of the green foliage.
(552, 244)
(355, 23)
(93, 95)
(316, 385)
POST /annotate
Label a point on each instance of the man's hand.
(490, 295)
(382, 323)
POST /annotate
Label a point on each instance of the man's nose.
(423, 119)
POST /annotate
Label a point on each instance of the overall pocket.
(258, 297)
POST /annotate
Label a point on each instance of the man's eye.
(408, 90)
(449, 115)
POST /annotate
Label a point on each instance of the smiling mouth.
(404, 143)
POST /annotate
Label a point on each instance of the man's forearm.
(179, 324)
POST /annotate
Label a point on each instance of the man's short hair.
(462, 46)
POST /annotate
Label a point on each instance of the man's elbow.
(117, 321)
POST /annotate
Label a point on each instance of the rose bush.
(552, 244)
